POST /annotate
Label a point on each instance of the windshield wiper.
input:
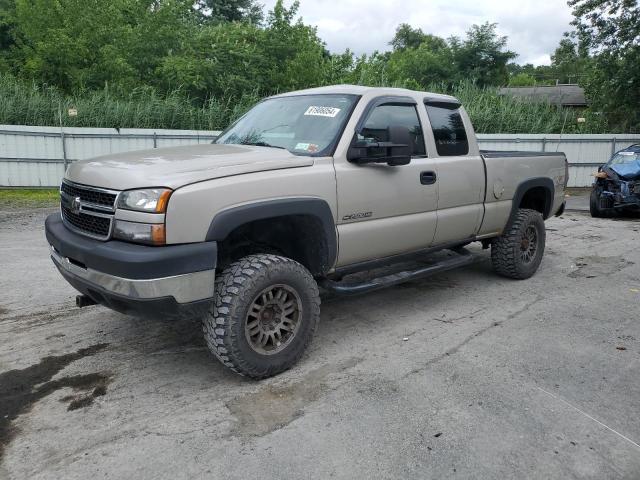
(262, 144)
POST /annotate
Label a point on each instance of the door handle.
(427, 178)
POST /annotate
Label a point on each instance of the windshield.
(622, 158)
(302, 124)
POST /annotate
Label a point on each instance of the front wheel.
(595, 204)
(265, 313)
(517, 253)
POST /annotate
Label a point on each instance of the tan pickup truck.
(305, 189)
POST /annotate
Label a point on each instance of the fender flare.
(228, 220)
(527, 185)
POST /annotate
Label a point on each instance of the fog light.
(148, 233)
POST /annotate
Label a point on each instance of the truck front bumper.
(169, 281)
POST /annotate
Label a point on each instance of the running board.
(464, 257)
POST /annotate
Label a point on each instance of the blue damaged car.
(617, 184)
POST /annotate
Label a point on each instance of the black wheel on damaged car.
(264, 315)
(517, 253)
(594, 206)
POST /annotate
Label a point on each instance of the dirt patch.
(84, 400)
(595, 266)
(21, 389)
(590, 237)
(55, 335)
(379, 389)
(274, 407)
(21, 219)
(23, 322)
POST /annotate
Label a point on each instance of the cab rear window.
(448, 129)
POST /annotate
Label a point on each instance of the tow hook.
(84, 301)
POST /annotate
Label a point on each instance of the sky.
(534, 27)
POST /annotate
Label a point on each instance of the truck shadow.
(342, 323)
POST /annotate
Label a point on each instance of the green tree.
(407, 37)
(417, 58)
(7, 24)
(7, 32)
(522, 80)
(230, 58)
(607, 25)
(541, 74)
(481, 56)
(420, 66)
(78, 44)
(297, 56)
(229, 11)
(610, 31)
(569, 63)
(370, 70)
(339, 68)
(224, 59)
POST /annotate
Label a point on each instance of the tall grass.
(494, 113)
(24, 103)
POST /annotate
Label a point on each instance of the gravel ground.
(463, 375)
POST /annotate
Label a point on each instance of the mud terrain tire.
(265, 312)
(517, 253)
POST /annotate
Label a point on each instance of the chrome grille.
(88, 210)
(97, 197)
(98, 226)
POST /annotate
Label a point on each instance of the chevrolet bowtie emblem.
(75, 205)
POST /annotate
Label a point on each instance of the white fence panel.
(37, 156)
(584, 152)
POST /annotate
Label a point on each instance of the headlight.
(149, 233)
(152, 200)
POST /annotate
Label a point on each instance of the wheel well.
(537, 198)
(300, 237)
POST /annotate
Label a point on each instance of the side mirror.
(395, 152)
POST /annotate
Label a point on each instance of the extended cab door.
(385, 210)
(460, 171)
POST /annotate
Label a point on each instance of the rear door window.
(448, 129)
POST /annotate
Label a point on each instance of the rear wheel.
(517, 253)
(264, 316)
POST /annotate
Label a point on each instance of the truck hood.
(175, 167)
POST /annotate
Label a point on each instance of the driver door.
(386, 210)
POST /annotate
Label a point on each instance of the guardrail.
(38, 156)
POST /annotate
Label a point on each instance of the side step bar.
(464, 258)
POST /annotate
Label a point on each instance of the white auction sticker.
(322, 111)
(307, 147)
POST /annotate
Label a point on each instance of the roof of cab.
(362, 90)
